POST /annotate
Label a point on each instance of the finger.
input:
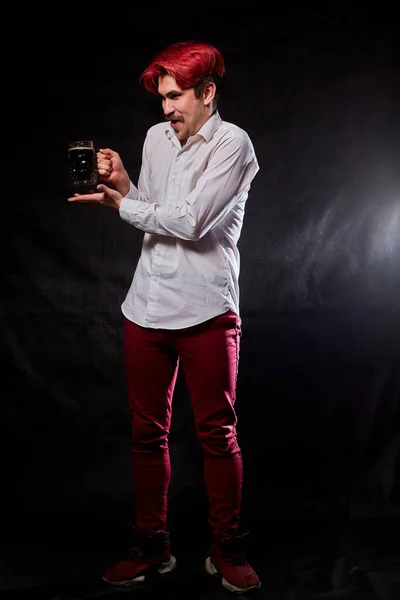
(104, 160)
(103, 189)
(91, 197)
(107, 152)
(104, 169)
(77, 198)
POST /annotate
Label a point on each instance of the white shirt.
(190, 203)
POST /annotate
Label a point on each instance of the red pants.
(208, 354)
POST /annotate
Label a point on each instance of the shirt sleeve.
(213, 193)
(142, 192)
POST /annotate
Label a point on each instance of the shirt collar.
(210, 127)
(207, 131)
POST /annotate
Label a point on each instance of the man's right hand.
(112, 170)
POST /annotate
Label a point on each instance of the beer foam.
(82, 148)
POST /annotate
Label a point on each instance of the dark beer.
(82, 163)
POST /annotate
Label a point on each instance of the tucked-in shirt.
(190, 203)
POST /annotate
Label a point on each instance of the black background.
(319, 381)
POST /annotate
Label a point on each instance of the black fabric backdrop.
(319, 381)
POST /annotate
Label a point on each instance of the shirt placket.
(160, 259)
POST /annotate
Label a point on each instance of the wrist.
(124, 186)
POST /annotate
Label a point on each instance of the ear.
(209, 93)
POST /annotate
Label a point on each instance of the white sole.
(212, 570)
(164, 568)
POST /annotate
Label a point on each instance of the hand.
(112, 170)
(103, 195)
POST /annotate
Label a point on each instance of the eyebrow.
(171, 93)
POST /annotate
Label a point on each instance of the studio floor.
(295, 559)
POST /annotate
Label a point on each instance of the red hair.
(187, 62)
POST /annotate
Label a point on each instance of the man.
(182, 307)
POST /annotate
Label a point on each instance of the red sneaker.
(227, 560)
(150, 555)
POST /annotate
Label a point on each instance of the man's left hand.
(102, 195)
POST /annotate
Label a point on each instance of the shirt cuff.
(133, 194)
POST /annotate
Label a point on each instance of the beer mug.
(82, 163)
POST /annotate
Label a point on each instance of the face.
(186, 113)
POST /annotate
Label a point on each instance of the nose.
(168, 107)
